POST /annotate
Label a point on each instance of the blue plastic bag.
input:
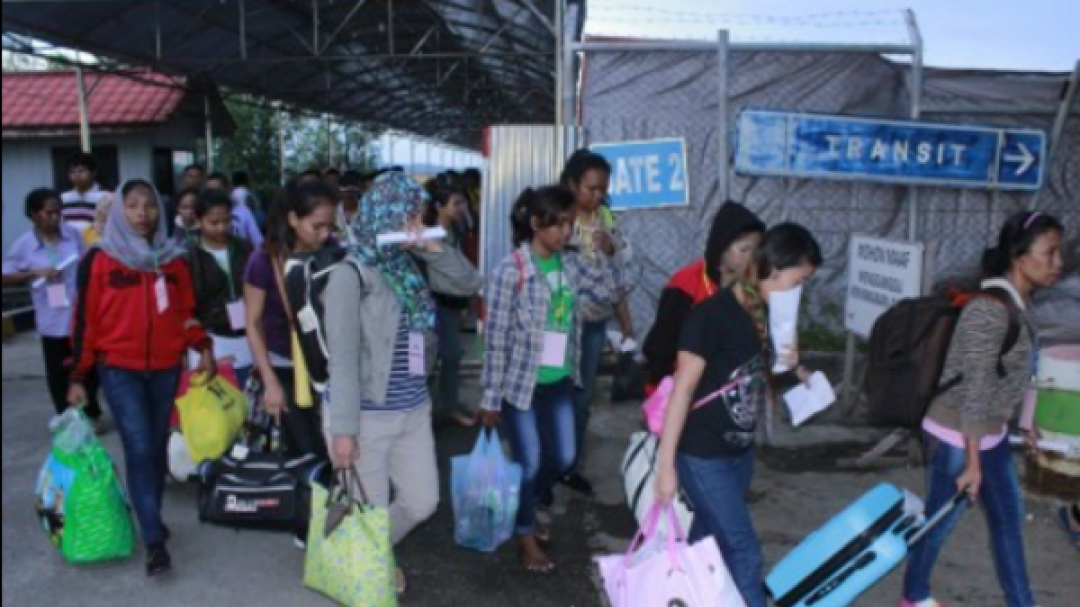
(485, 489)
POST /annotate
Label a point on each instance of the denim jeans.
(593, 335)
(542, 442)
(141, 403)
(717, 489)
(1001, 500)
(450, 352)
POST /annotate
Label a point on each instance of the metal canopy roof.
(439, 68)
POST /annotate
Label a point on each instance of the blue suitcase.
(861, 545)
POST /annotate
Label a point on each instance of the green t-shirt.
(560, 315)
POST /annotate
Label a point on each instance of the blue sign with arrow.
(790, 144)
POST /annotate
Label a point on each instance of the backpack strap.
(519, 261)
(1012, 334)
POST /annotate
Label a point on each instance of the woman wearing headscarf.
(379, 408)
(134, 320)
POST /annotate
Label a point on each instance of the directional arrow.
(1025, 158)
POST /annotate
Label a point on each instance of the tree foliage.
(255, 145)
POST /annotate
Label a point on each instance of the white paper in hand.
(784, 322)
(805, 401)
(393, 238)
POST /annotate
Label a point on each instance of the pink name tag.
(237, 315)
(554, 354)
(161, 294)
(57, 297)
(416, 355)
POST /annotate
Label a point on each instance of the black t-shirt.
(722, 332)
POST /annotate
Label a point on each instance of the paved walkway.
(220, 567)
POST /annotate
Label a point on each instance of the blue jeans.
(717, 489)
(593, 335)
(448, 325)
(141, 403)
(1001, 500)
(542, 442)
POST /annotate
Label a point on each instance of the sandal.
(537, 566)
(543, 536)
(1065, 520)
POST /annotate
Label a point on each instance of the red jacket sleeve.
(85, 325)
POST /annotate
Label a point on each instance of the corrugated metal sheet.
(519, 157)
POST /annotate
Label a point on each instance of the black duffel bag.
(264, 491)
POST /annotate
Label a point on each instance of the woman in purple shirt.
(45, 259)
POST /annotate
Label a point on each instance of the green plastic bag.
(79, 498)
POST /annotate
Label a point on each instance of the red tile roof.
(49, 100)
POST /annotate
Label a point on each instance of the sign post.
(881, 273)
(889, 151)
(647, 174)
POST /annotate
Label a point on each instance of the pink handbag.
(656, 406)
(669, 572)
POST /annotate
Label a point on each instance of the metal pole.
(1059, 130)
(84, 111)
(723, 90)
(209, 132)
(569, 77)
(560, 67)
(281, 143)
(412, 155)
(329, 141)
(389, 160)
(916, 89)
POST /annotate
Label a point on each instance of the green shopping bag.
(79, 497)
(349, 556)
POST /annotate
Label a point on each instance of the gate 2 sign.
(889, 151)
(646, 174)
(882, 272)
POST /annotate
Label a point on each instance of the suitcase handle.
(958, 499)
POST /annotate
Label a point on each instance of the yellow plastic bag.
(304, 398)
(211, 417)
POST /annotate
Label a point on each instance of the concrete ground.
(795, 491)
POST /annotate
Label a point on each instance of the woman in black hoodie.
(736, 232)
(217, 259)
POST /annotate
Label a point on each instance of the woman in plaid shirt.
(533, 340)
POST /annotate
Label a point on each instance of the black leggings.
(302, 428)
(58, 354)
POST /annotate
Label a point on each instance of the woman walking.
(134, 321)
(531, 361)
(967, 425)
(724, 358)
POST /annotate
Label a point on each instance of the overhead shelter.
(439, 68)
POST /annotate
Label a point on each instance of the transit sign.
(788, 144)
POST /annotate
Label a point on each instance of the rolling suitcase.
(861, 545)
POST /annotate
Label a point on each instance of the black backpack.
(306, 278)
(908, 347)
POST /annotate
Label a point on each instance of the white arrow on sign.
(1025, 158)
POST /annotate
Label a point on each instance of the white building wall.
(27, 166)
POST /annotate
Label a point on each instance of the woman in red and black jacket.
(134, 320)
(735, 234)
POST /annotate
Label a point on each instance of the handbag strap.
(715, 395)
(279, 279)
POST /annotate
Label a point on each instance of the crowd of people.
(129, 291)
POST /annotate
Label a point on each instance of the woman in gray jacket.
(967, 426)
(379, 409)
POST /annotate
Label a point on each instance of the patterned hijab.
(387, 207)
(137, 252)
